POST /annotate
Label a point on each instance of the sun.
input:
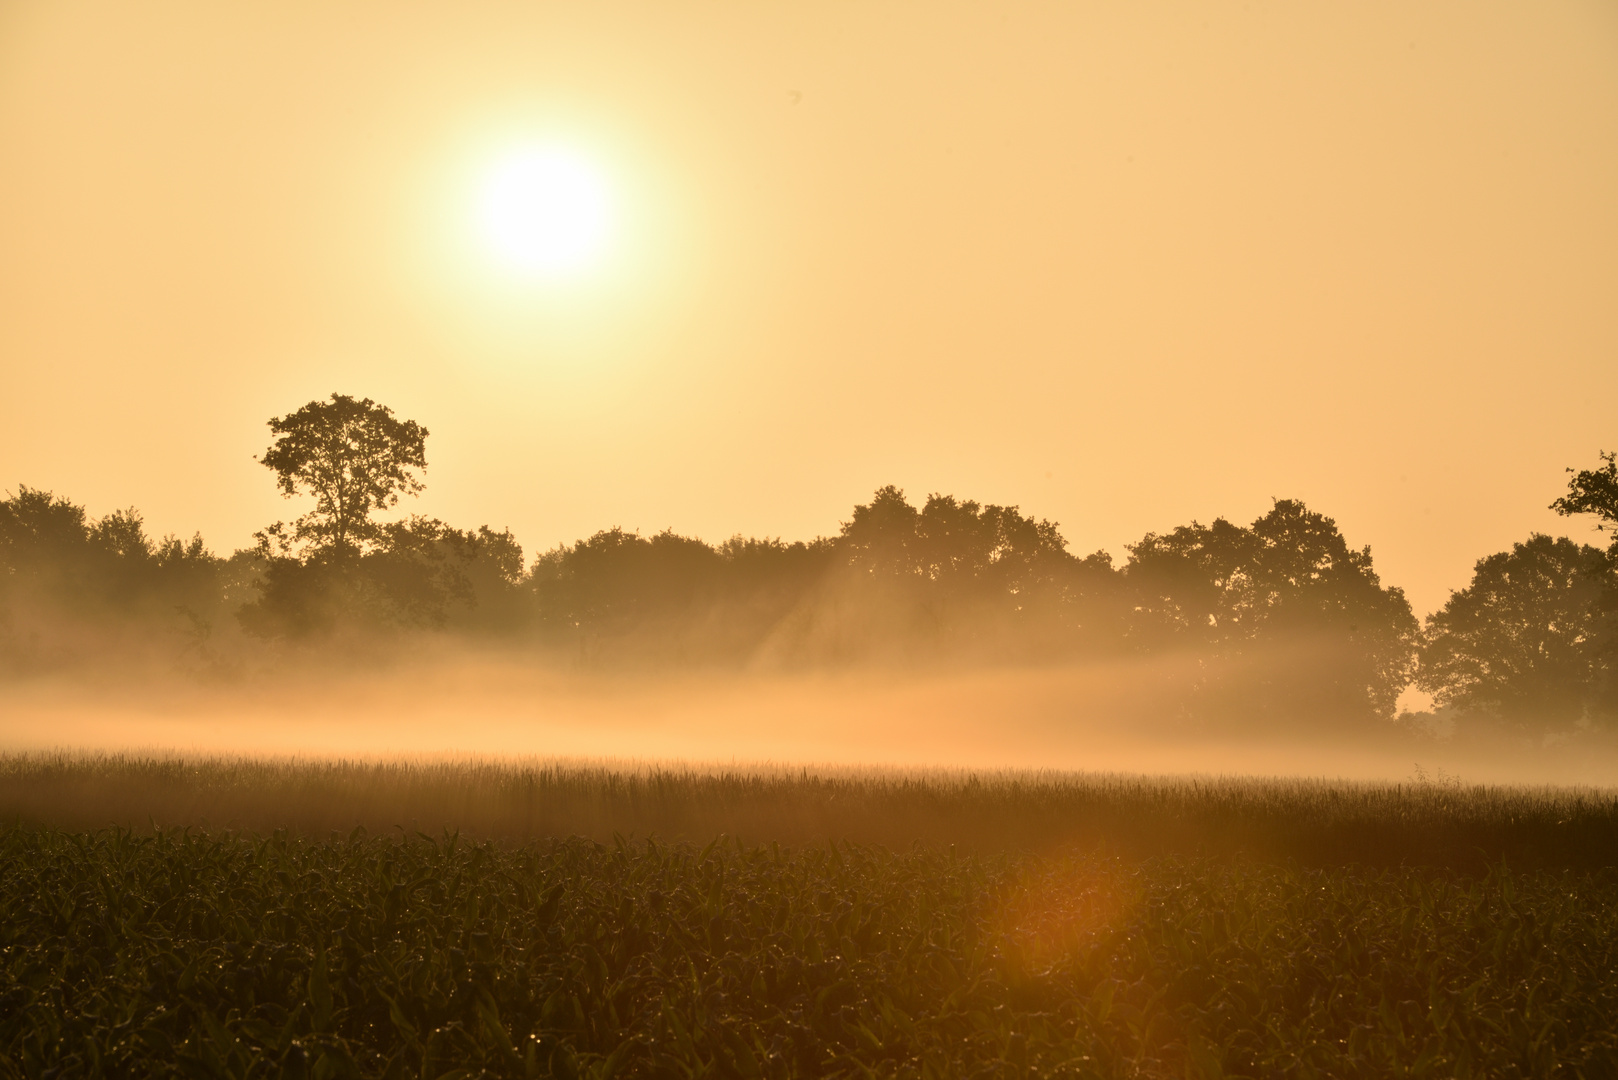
(545, 212)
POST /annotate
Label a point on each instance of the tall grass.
(1312, 822)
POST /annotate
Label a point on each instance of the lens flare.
(546, 212)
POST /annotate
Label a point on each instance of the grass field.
(929, 925)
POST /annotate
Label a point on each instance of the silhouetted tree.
(618, 596)
(1193, 586)
(879, 540)
(1524, 641)
(1300, 622)
(771, 572)
(958, 547)
(335, 567)
(1595, 491)
(354, 457)
(491, 563)
(1280, 617)
(952, 577)
(44, 549)
(418, 574)
(619, 592)
(428, 574)
(72, 586)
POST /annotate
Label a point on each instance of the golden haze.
(1121, 264)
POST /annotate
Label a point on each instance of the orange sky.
(1123, 264)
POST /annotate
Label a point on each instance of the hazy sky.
(1123, 264)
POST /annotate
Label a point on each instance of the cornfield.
(182, 952)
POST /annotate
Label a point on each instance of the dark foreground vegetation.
(1431, 822)
(1261, 929)
(1282, 620)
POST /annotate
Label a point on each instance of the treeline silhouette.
(1280, 619)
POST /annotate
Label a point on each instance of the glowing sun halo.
(545, 212)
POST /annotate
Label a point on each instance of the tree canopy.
(1286, 602)
(950, 581)
(1281, 619)
(73, 585)
(355, 458)
(1594, 491)
(1524, 641)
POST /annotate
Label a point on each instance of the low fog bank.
(1120, 716)
(949, 633)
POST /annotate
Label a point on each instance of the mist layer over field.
(1115, 717)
